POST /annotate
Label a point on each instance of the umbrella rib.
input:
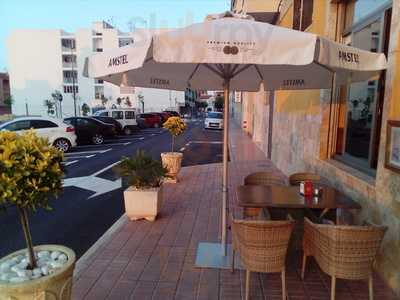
(241, 70)
(213, 70)
(259, 72)
(194, 71)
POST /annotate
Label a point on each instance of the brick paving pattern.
(155, 260)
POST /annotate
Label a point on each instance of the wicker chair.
(346, 252)
(262, 247)
(260, 178)
(296, 178)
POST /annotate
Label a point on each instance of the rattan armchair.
(346, 252)
(262, 247)
(260, 178)
(296, 178)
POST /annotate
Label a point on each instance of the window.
(118, 115)
(302, 14)
(37, 124)
(68, 44)
(129, 114)
(214, 115)
(70, 76)
(360, 117)
(68, 89)
(125, 41)
(82, 122)
(103, 114)
(19, 125)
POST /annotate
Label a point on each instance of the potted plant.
(30, 172)
(173, 160)
(144, 175)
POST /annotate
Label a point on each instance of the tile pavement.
(155, 260)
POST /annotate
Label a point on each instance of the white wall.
(35, 68)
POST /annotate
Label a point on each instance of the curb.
(106, 237)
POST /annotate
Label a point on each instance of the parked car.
(91, 130)
(59, 134)
(164, 116)
(125, 116)
(112, 121)
(214, 120)
(172, 113)
(147, 120)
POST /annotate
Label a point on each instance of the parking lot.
(82, 153)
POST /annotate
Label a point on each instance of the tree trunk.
(28, 238)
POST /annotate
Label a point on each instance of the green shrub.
(142, 171)
(30, 172)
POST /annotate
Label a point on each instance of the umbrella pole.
(225, 166)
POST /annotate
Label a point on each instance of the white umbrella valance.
(257, 52)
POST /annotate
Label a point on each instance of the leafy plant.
(50, 105)
(85, 109)
(219, 102)
(128, 102)
(176, 127)
(8, 101)
(142, 171)
(30, 172)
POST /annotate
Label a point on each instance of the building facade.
(4, 93)
(345, 139)
(41, 62)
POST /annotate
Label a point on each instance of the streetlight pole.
(73, 80)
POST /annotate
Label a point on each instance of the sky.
(123, 14)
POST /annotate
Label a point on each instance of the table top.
(289, 197)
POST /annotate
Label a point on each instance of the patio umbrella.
(235, 53)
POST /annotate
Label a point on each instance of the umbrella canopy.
(233, 52)
(203, 55)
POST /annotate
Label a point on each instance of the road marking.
(86, 152)
(77, 157)
(106, 168)
(205, 142)
(130, 140)
(68, 163)
(95, 184)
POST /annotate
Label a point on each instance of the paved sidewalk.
(144, 260)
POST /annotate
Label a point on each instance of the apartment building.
(4, 93)
(41, 62)
(346, 138)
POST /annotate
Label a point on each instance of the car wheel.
(156, 125)
(62, 145)
(98, 139)
(127, 131)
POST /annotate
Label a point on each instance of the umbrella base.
(211, 255)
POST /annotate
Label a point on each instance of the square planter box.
(142, 204)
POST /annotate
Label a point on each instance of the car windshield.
(214, 115)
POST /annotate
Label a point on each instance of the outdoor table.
(289, 197)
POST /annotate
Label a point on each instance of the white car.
(214, 120)
(125, 116)
(60, 135)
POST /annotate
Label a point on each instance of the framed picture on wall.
(392, 159)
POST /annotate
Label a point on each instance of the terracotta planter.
(172, 161)
(57, 285)
(142, 204)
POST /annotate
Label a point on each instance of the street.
(92, 199)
